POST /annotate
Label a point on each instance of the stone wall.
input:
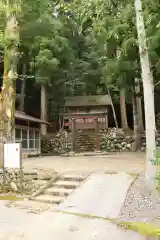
(116, 141)
(112, 141)
(143, 142)
(32, 180)
(58, 144)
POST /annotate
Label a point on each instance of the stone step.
(66, 184)
(73, 177)
(49, 199)
(63, 192)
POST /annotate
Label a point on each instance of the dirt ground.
(117, 162)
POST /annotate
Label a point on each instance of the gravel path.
(141, 205)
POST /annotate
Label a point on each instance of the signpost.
(12, 159)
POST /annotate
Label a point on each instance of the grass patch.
(111, 173)
(113, 220)
(158, 182)
(142, 228)
(158, 170)
(129, 173)
(11, 197)
(132, 174)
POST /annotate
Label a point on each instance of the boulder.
(14, 187)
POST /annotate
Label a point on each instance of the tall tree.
(139, 106)
(148, 88)
(11, 41)
(136, 136)
(124, 122)
(44, 109)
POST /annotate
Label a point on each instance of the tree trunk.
(148, 88)
(11, 37)
(114, 112)
(136, 143)
(124, 122)
(23, 86)
(139, 106)
(43, 110)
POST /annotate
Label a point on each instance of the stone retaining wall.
(58, 144)
(115, 144)
(111, 141)
(32, 180)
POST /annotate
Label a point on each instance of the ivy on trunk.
(8, 95)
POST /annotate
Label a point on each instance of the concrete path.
(121, 162)
(60, 226)
(12, 221)
(101, 195)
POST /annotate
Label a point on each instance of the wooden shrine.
(85, 115)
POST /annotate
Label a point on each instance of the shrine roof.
(83, 101)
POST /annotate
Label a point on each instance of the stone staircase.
(60, 189)
(85, 140)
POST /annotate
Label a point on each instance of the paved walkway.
(18, 224)
(119, 162)
(100, 195)
(61, 226)
(12, 221)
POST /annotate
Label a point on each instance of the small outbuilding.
(27, 131)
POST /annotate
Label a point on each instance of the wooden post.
(106, 120)
(4, 172)
(73, 134)
(97, 135)
(1, 153)
(21, 170)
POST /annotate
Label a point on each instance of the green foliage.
(113, 27)
(71, 46)
(142, 228)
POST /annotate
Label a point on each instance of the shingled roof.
(93, 100)
(23, 116)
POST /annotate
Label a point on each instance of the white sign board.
(12, 155)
